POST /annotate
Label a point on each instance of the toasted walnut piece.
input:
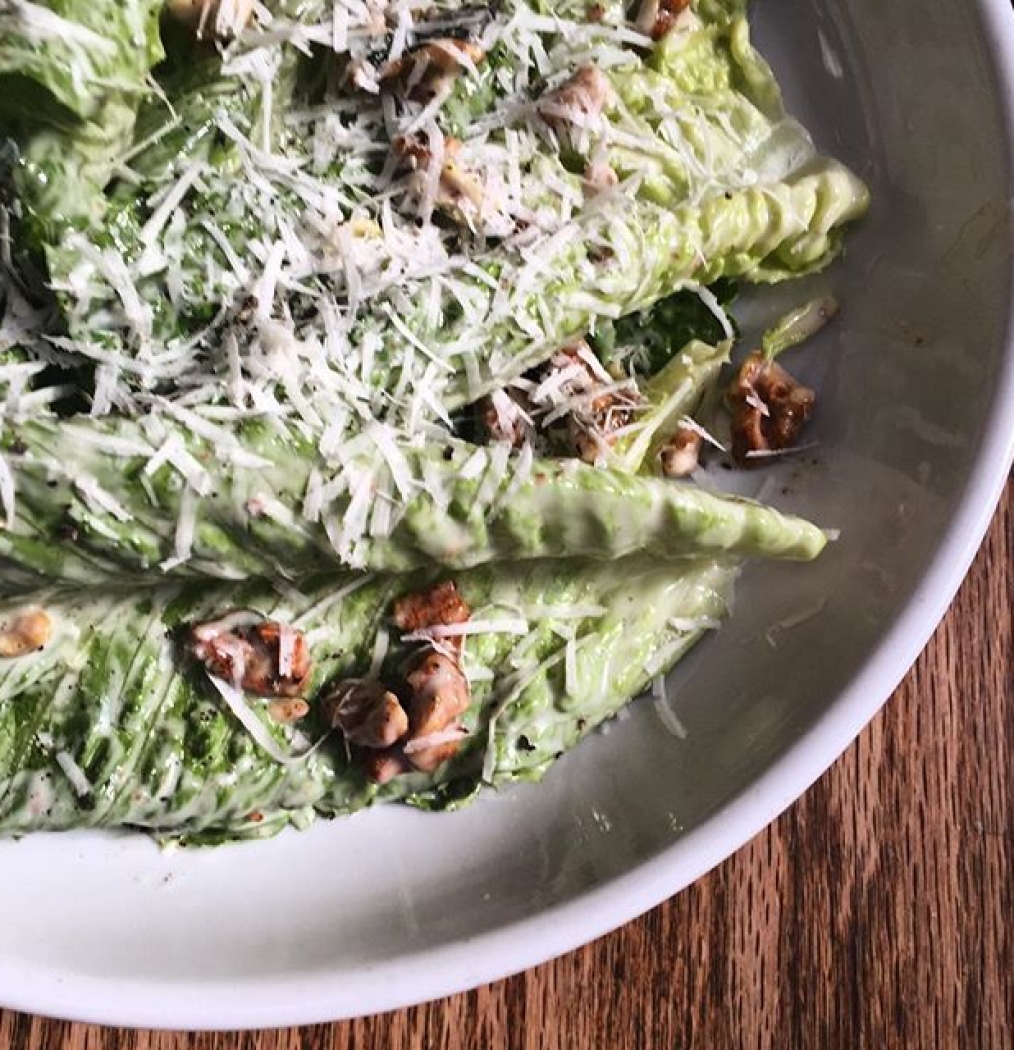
(291, 710)
(585, 373)
(431, 734)
(383, 766)
(459, 190)
(424, 732)
(437, 605)
(456, 187)
(428, 70)
(602, 408)
(440, 693)
(505, 418)
(592, 434)
(426, 759)
(461, 195)
(578, 101)
(25, 632)
(212, 19)
(655, 18)
(368, 714)
(588, 444)
(266, 658)
(363, 75)
(598, 176)
(416, 153)
(769, 408)
(681, 453)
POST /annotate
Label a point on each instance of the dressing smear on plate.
(357, 364)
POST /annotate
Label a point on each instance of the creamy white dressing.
(354, 302)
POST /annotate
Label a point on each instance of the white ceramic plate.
(915, 426)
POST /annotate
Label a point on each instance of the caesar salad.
(357, 362)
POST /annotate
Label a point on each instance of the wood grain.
(877, 912)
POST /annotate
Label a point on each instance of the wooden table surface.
(877, 912)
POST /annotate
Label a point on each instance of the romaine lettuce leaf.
(106, 727)
(78, 52)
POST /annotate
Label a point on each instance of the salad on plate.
(358, 359)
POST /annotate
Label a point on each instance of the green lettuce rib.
(84, 513)
(101, 728)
